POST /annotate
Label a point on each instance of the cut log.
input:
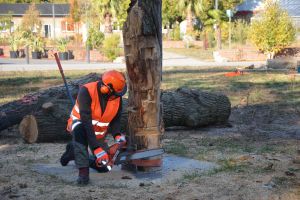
(183, 107)
(12, 113)
(51, 107)
(194, 108)
(46, 125)
(28, 129)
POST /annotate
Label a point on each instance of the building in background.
(54, 18)
(249, 8)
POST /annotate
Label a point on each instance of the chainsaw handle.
(118, 151)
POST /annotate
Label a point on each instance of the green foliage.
(273, 31)
(210, 36)
(111, 46)
(240, 32)
(114, 8)
(34, 1)
(37, 44)
(122, 12)
(5, 22)
(170, 12)
(95, 38)
(175, 33)
(62, 44)
(15, 40)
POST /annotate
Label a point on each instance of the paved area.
(169, 60)
(173, 169)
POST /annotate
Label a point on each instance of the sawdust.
(255, 155)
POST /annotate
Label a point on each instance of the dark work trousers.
(82, 157)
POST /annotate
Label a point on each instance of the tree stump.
(143, 52)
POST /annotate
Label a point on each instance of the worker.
(96, 113)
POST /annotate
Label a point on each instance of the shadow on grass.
(18, 81)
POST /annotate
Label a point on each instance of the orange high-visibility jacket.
(100, 120)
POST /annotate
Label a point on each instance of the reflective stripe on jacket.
(100, 121)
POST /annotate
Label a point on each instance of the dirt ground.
(255, 152)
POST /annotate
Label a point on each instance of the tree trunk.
(205, 42)
(107, 23)
(189, 21)
(219, 37)
(143, 51)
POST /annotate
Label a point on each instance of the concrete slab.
(174, 167)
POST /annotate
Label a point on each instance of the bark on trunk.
(143, 51)
(205, 42)
(189, 21)
(219, 37)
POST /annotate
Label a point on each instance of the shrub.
(111, 46)
(95, 38)
(240, 32)
(175, 33)
(62, 44)
(273, 31)
(37, 44)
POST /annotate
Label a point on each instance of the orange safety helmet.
(113, 82)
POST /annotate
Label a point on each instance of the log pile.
(50, 108)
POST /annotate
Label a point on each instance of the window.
(6, 27)
(67, 26)
(47, 31)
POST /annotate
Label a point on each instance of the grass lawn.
(254, 154)
(193, 52)
(251, 88)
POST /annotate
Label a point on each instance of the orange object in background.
(235, 73)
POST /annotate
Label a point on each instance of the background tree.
(190, 9)
(75, 18)
(273, 31)
(170, 13)
(34, 1)
(111, 9)
(107, 10)
(122, 12)
(31, 20)
(210, 17)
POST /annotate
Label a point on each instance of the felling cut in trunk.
(51, 108)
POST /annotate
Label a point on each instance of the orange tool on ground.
(237, 72)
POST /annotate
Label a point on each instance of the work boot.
(83, 177)
(68, 155)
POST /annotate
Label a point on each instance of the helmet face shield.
(119, 94)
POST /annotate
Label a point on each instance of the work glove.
(101, 157)
(121, 139)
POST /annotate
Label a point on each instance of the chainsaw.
(119, 154)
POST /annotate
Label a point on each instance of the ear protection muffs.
(105, 89)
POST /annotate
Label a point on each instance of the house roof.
(250, 5)
(45, 9)
(292, 6)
